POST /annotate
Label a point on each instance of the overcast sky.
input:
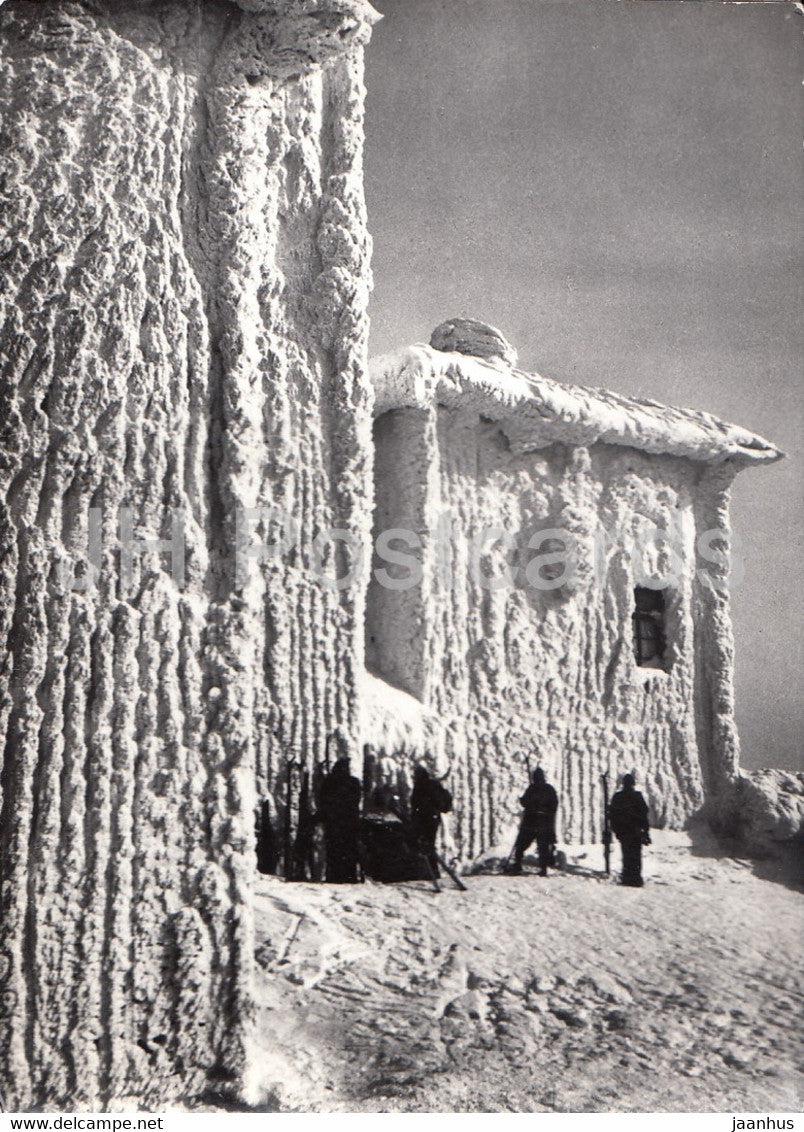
(617, 185)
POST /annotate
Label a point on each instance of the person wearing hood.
(428, 801)
(339, 811)
(628, 814)
(539, 803)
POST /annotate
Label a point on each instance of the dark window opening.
(650, 635)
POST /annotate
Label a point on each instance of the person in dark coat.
(428, 801)
(628, 814)
(339, 811)
(540, 803)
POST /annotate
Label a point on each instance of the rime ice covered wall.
(550, 674)
(516, 671)
(182, 328)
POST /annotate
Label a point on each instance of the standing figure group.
(627, 812)
(391, 844)
(386, 842)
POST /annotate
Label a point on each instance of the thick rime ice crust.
(538, 411)
(183, 326)
(765, 810)
(516, 673)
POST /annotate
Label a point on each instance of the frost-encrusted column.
(182, 333)
(718, 739)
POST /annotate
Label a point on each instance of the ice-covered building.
(564, 597)
(183, 358)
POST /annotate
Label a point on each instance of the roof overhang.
(539, 411)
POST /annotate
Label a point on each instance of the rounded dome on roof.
(470, 336)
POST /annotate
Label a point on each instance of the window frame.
(649, 628)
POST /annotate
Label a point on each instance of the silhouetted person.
(539, 803)
(339, 810)
(267, 852)
(628, 813)
(428, 801)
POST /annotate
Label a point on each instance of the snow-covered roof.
(539, 411)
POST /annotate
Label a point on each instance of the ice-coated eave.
(297, 35)
(318, 9)
(537, 411)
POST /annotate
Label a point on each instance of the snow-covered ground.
(525, 994)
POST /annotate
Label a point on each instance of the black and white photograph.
(401, 560)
